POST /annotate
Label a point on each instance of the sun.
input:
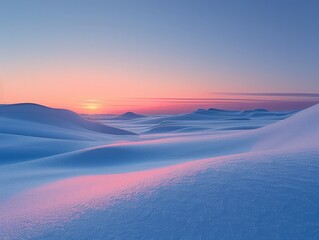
(91, 105)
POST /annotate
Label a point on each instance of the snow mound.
(213, 111)
(299, 130)
(129, 116)
(34, 113)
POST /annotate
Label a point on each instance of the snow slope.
(36, 114)
(248, 184)
(30, 131)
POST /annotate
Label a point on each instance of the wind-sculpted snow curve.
(248, 196)
(298, 131)
(28, 113)
(254, 184)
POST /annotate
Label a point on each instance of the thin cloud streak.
(186, 105)
(194, 99)
(315, 95)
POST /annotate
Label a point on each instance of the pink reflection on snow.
(62, 201)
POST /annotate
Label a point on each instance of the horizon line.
(301, 105)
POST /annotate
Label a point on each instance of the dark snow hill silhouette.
(56, 117)
(129, 116)
(214, 111)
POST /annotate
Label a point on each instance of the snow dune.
(31, 131)
(31, 114)
(129, 116)
(208, 184)
(185, 148)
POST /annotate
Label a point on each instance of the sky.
(153, 56)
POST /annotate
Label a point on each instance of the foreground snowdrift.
(254, 196)
(256, 184)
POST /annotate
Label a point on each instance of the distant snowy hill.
(129, 116)
(61, 118)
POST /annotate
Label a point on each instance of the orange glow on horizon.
(110, 85)
(91, 106)
(114, 88)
